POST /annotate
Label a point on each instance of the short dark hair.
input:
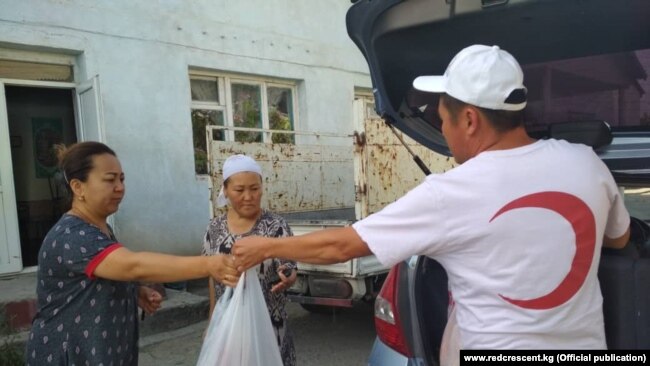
(500, 120)
(76, 161)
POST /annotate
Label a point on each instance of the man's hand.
(223, 269)
(249, 252)
(149, 300)
(285, 282)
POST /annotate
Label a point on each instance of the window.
(35, 71)
(207, 110)
(637, 202)
(257, 105)
(368, 103)
(280, 107)
(609, 87)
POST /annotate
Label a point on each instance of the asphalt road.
(321, 339)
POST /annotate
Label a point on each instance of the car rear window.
(637, 201)
(612, 87)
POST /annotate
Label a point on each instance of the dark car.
(586, 64)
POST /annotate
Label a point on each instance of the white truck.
(328, 180)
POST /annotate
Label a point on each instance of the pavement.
(17, 287)
(177, 347)
(341, 339)
(180, 310)
(174, 335)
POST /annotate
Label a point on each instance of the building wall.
(142, 52)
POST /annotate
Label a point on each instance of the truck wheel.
(320, 309)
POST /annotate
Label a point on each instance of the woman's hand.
(285, 282)
(149, 299)
(222, 269)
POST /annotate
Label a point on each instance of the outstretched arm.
(319, 247)
(125, 265)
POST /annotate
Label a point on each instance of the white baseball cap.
(480, 75)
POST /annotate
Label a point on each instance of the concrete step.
(18, 300)
(151, 339)
(180, 310)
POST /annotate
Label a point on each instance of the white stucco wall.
(142, 51)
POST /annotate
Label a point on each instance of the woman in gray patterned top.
(86, 289)
(242, 191)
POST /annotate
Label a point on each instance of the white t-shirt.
(519, 224)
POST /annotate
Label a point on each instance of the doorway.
(38, 119)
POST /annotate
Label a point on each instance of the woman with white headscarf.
(242, 193)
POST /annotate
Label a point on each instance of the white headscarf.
(236, 164)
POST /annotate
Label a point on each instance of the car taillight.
(387, 323)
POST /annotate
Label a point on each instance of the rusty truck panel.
(385, 170)
(297, 178)
(368, 170)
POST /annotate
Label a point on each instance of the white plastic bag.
(240, 332)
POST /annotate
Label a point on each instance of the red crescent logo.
(581, 218)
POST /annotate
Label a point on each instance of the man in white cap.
(518, 226)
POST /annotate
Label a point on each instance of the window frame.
(225, 102)
(225, 92)
(294, 107)
(368, 102)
